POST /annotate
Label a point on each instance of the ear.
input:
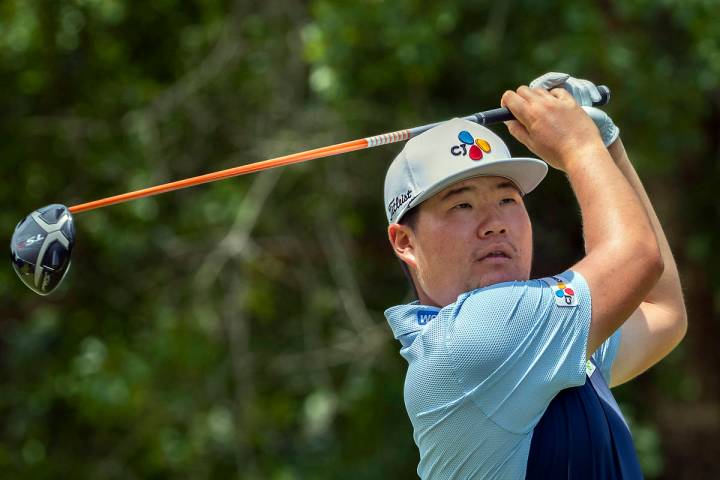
(403, 241)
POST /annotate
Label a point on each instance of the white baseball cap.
(449, 153)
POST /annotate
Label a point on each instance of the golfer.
(508, 377)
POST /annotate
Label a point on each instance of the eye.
(462, 206)
(506, 201)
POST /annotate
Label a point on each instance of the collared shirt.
(483, 371)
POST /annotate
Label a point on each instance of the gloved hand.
(609, 132)
(585, 93)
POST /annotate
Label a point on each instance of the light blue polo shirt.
(483, 370)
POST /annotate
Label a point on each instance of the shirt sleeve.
(604, 356)
(515, 345)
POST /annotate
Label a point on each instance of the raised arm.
(623, 260)
(660, 322)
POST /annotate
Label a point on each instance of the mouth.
(495, 254)
(494, 258)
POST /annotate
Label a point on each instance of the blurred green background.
(235, 330)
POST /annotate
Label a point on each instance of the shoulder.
(567, 289)
(496, 299)
(516, 344)
(489, 320)
(501, 317)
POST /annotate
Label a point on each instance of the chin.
(491, 278)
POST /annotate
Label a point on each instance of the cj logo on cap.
(469, 145)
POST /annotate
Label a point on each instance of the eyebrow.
(457, 191)
(509, 184)
(467, 188)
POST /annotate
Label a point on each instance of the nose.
(492, 224)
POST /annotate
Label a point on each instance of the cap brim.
(525, 173)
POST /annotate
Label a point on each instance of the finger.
(592, 90)
(516, 104)
(562, 94)
(512, 100)
(549, 80)
(542, 92)
(518, 131)
(581, 90)
(528, 93)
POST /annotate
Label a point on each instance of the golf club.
(42, 243)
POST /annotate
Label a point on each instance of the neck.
(423, 297)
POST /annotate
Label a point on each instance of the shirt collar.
(412, 317)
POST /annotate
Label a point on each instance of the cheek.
(437, 251)
(520, 231)
(525, 237)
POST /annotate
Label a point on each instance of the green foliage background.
(236, 329)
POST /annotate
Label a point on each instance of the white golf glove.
(585, 93)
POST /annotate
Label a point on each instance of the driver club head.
(41, 247)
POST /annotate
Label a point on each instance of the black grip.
(497, 115)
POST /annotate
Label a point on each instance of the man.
(508, 377)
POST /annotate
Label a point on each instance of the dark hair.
(410, 220)
(410, 217)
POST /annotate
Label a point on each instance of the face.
(472, 234)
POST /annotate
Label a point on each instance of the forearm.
(667, 291)
(612, 214)
(660, 322)
(622, 261)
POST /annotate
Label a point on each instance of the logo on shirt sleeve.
(424, 316)
(564, 294)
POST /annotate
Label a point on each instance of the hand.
(585, 94)
(609, 132)
(551, 124)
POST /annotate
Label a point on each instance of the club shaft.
(222, 174)
(352, 145)
(483, 118)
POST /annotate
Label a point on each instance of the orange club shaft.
(336, 149)
(483, 118)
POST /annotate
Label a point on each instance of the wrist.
(608, 130)
(617, 150)
(589, 152)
